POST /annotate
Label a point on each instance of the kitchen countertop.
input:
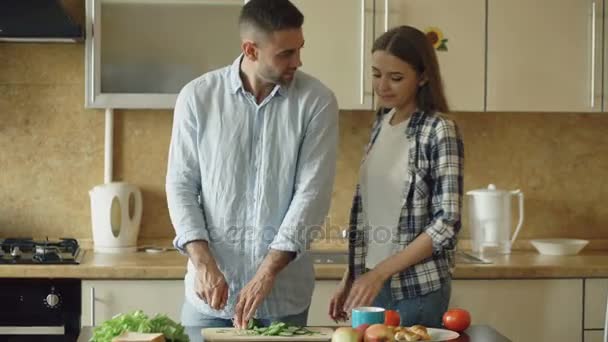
(519, 264)
(172, 265)
(475, 333)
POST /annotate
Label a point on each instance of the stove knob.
(16, 252)
(52, 300)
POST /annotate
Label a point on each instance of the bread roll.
(405, 334)
(421, 331)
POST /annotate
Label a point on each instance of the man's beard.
(270, 76)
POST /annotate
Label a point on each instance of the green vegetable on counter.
(276, 329)
(138, 321)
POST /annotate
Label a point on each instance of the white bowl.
(559, 246)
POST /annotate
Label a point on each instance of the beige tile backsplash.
(51, 154)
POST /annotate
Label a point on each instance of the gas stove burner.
(16, 252)
(51, 257)
(44, 249)
(46, 253)
(23, 244)
(30, 251)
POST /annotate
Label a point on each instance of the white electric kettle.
(116, 210)
(490, 219)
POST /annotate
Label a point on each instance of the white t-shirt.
(382, 181)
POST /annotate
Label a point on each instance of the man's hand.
(250, 298)
(252, 295)
(211, 286)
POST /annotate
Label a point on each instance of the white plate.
(442, 334)
(559, 246)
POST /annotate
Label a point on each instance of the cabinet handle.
(92, 306)
(362, 69)
(606, 322)
(593, 32)
(385, 15)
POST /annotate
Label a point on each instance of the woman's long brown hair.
(413, 47)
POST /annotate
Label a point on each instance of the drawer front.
(596, 291)
(594, 336)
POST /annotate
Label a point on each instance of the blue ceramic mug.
(367, 315)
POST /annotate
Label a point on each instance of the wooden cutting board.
(139, 337)
(233, 334)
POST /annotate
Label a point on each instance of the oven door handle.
(92, 306)
(32, 330)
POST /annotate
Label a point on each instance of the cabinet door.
(338, 35)
(121, 296)
(544, 55)
(524, 310)
(462, 23)
(319, 307)
(144, 64)
(596, 292)
(594, 336)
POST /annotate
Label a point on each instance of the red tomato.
(457, 319)
(391, 318)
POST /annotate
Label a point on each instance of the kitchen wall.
(51, 154)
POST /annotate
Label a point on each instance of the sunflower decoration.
(435, 36)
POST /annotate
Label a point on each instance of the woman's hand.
(364, 290)
(336, 305)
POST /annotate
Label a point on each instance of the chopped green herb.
(138, 321)
(276, 329)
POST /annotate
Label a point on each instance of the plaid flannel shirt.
(432, 202)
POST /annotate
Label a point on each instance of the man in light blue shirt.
(250, 174)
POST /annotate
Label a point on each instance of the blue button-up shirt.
(248, 177)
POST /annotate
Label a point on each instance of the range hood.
(37, 21)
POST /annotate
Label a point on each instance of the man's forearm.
(275, 261)
(200, 254)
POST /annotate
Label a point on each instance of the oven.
(39, 309)
(35, 309)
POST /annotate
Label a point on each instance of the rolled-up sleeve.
(183, 181)
(447, 155)
(313, 182)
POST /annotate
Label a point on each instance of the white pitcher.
(490, 219)
(116, 210)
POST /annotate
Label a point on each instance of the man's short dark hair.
(267, 16)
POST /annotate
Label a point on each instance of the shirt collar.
(415, 120)
(235, 78)
(236, 82)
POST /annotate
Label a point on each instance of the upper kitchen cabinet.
(458, 28)
(544, 55)
(140, 53)
(338, 35)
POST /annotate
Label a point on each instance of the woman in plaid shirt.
(406, 211)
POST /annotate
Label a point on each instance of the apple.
(361, 330)
(346, 334)
(379, 333)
